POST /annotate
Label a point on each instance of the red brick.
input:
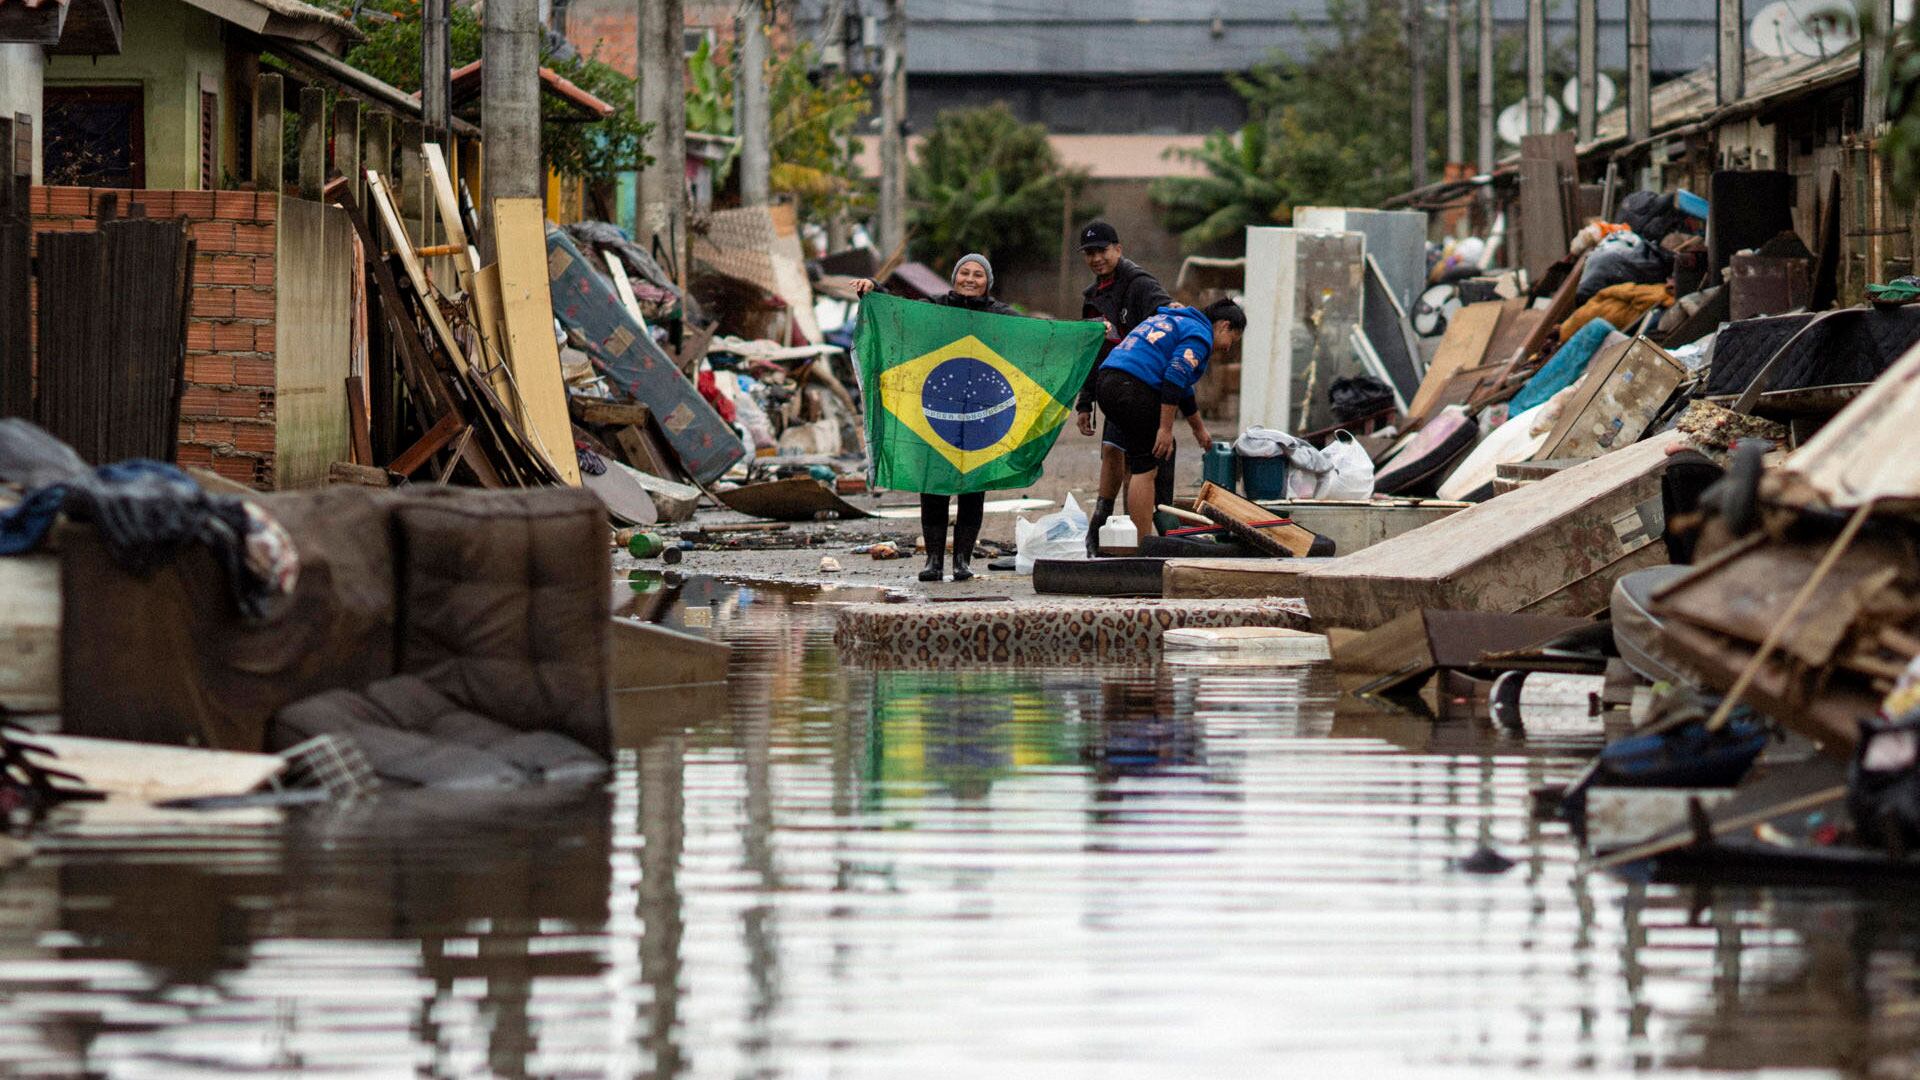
(213, 432)
(254, 438)
(226, 270)
(214, 236)
(213, 302)
(263, 270)
(231, 337)
(198, 456)
(69, 202)
(249, 371)
(199, 336)
(210, 369)
(233, 205)
(121, 198)
(234, 468)
(253, 304)
(266, 206)
(242, 406)
(197, 401)
(193, 204)
(153, 204)
(254, 239)
(37, 201)
(263, 334)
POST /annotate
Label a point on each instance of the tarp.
(960, 401)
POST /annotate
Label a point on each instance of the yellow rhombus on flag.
(960, 400)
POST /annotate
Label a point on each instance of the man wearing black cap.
(1122, 295)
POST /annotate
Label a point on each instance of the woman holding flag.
(972, 282)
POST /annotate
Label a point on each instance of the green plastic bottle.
(646, 545)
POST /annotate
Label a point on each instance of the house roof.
(321, 65)
(466, 87)
(285, 20)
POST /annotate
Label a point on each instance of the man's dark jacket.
(1125, 301)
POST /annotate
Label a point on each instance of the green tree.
(986, 182)
(811, 118)
(1330, 129)
(595, 150)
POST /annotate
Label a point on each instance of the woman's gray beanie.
(972, 256)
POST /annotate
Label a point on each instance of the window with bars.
(209, 140)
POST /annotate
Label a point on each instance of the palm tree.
(1238, 190)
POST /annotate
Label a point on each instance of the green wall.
(166, 47)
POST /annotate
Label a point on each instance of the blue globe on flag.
(968, 403)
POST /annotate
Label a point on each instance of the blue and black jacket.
(1169, 352)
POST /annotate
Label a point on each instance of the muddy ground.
(1072, 467)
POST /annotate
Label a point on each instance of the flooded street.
(1171, 870)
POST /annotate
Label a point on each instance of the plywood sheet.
(30, 633)
(519, 227)
(1464, 346)
(313, 341)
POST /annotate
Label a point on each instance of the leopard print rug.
(1048, 633)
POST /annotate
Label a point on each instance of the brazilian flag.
(961, 401)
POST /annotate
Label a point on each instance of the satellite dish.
(1811, 28)
(1603, 94)
(1513, 121)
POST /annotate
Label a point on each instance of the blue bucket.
(1263, 477)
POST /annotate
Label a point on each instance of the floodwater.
(818, 871)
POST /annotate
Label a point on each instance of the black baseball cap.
(1097, 235)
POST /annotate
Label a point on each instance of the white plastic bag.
(1059, 535)
(1351, 475)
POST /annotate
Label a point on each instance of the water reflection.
(1159, 871)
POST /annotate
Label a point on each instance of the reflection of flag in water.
(962, 401)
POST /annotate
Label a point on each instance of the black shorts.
(1133, 417)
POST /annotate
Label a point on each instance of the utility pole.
(833, 56)
(1484, 76)
(750, 95)
(1588, 74)
(1536, 67)
(1456, 98)
(510, 100)
(1639, 72)
(1417, 54)
(1731, 53)
(1874, 66)
(662, 190)
(435, 69)
(893, 138)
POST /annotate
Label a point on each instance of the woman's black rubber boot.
(936, 559)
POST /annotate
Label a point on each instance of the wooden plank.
(1250, 521)
(149, 771)
(607, 413)
(346, 143)
(30, 633)
(269, 133)
(313, 141)
(490, 316)
(623, 287)
(447, 203)
(358, 430)
(519, 227)
(1464, 346)
(313, 342)
(436, 439)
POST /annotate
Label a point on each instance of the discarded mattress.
(1421, 462)
(1515, 440)
(585, 303)
(1846, 346)
(1054, 633)
(1234, 579)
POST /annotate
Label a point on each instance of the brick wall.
(227, 404)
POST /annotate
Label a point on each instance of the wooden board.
(1246, 519)
(150, 771)
(627, 502)
(623, 286)
(1234, 579)
(799, 499)
(1554, 547)
(1617, 400)
(1464, 346)
(520, 237)
(30, 633)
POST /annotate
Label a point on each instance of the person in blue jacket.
(1144, 379)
